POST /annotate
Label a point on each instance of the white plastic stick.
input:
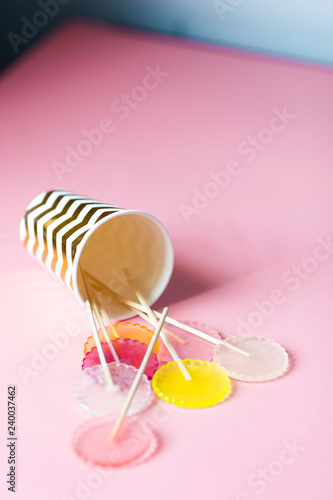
(154, 322)
(192, 330)
(138, 377)
(138, 307)
(95, 334)
(106, 335)
(171, 334)
(166, 330)
(109, 322)
(203, 335)
(95, 307)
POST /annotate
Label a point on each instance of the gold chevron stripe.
(77, 241)
(72, 230)
(54, 218)
(45, 232)
(75, 215)
(30, 211)
(50, 209)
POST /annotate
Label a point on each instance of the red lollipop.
(129, 351)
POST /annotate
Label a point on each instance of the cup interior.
(130, 240)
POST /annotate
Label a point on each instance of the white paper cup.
(65, 231)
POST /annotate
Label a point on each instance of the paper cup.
(65, 231)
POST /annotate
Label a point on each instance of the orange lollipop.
(125, 331)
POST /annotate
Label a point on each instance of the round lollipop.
(187, 345)
(94, 394)
(130, 352)
(119, 441)
(268, 359)
(133, 331)
(208, 386)
(135, 442)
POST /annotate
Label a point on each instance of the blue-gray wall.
(300, 29)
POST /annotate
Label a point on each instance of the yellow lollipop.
(209, 384)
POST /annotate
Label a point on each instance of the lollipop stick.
(106, 335)
(173, 335)
(134, 306)
(101, 324)
(166, 330)
(109, 322)
(194, 331)
(138, 377)
(144, 316)
(203, 335)
(101, 287)
(103, 312)
(100, 351)
(154, 322)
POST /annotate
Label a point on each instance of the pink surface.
(236, 257)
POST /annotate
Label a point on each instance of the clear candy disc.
(188, 345)
(268, 359)
(93, 394)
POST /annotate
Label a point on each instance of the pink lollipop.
(130, 352)
(187, 345)
(135, 444)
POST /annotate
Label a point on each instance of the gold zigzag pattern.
(64, 225)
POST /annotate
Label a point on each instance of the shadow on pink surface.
(184, 284)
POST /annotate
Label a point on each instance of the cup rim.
(167, 272)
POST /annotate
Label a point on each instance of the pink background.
(237, 250)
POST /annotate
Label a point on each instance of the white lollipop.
(267, 361)
(92, 392)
